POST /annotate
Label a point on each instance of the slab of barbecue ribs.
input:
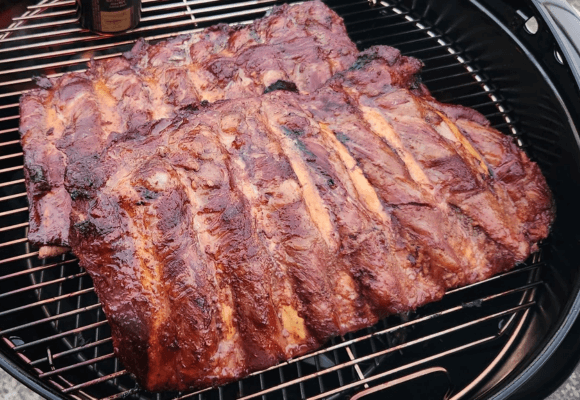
(224, 240)
(297, 47)
(227, 230)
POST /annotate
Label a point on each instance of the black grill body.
(511, 336)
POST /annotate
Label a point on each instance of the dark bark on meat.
(154, 82)
(242, 195)
(250, 231)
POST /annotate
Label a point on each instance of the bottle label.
(109, 16)
(113, 5)
(115, 21)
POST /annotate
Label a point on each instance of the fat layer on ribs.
(299, 46)
(225, 240)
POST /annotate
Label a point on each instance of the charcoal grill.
(515, 62)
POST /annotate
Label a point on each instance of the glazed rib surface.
(302, 45)
(224, 240)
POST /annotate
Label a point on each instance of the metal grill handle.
(564, 22)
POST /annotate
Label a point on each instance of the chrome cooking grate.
(52, 322)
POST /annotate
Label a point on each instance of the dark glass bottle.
(109, 16)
